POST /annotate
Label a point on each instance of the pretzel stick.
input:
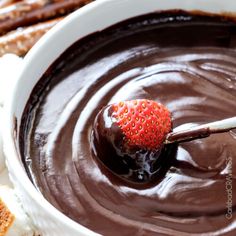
(20, 41)
(29, 12)
(6, 218)
(4, 3)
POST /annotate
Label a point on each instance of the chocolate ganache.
(186, 61)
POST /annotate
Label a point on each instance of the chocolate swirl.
(184, 61)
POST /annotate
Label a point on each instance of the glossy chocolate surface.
(185, 61)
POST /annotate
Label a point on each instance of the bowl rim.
(14, 164)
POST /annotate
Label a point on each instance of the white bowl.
(93, 17)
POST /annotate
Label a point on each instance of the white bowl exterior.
(91, 18)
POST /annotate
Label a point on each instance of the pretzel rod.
(4, 3)
(6, 218)
(20, 41)
(29, 12)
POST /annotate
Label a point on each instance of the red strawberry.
(144, 123)
(128, 139)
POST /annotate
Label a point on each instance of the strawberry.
(144, 123)
(128, 137)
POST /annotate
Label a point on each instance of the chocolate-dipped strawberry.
(128, 138)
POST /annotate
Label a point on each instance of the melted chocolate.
(185, 61)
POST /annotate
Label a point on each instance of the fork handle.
(201, 131)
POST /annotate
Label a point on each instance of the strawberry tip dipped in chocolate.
(133, 134)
